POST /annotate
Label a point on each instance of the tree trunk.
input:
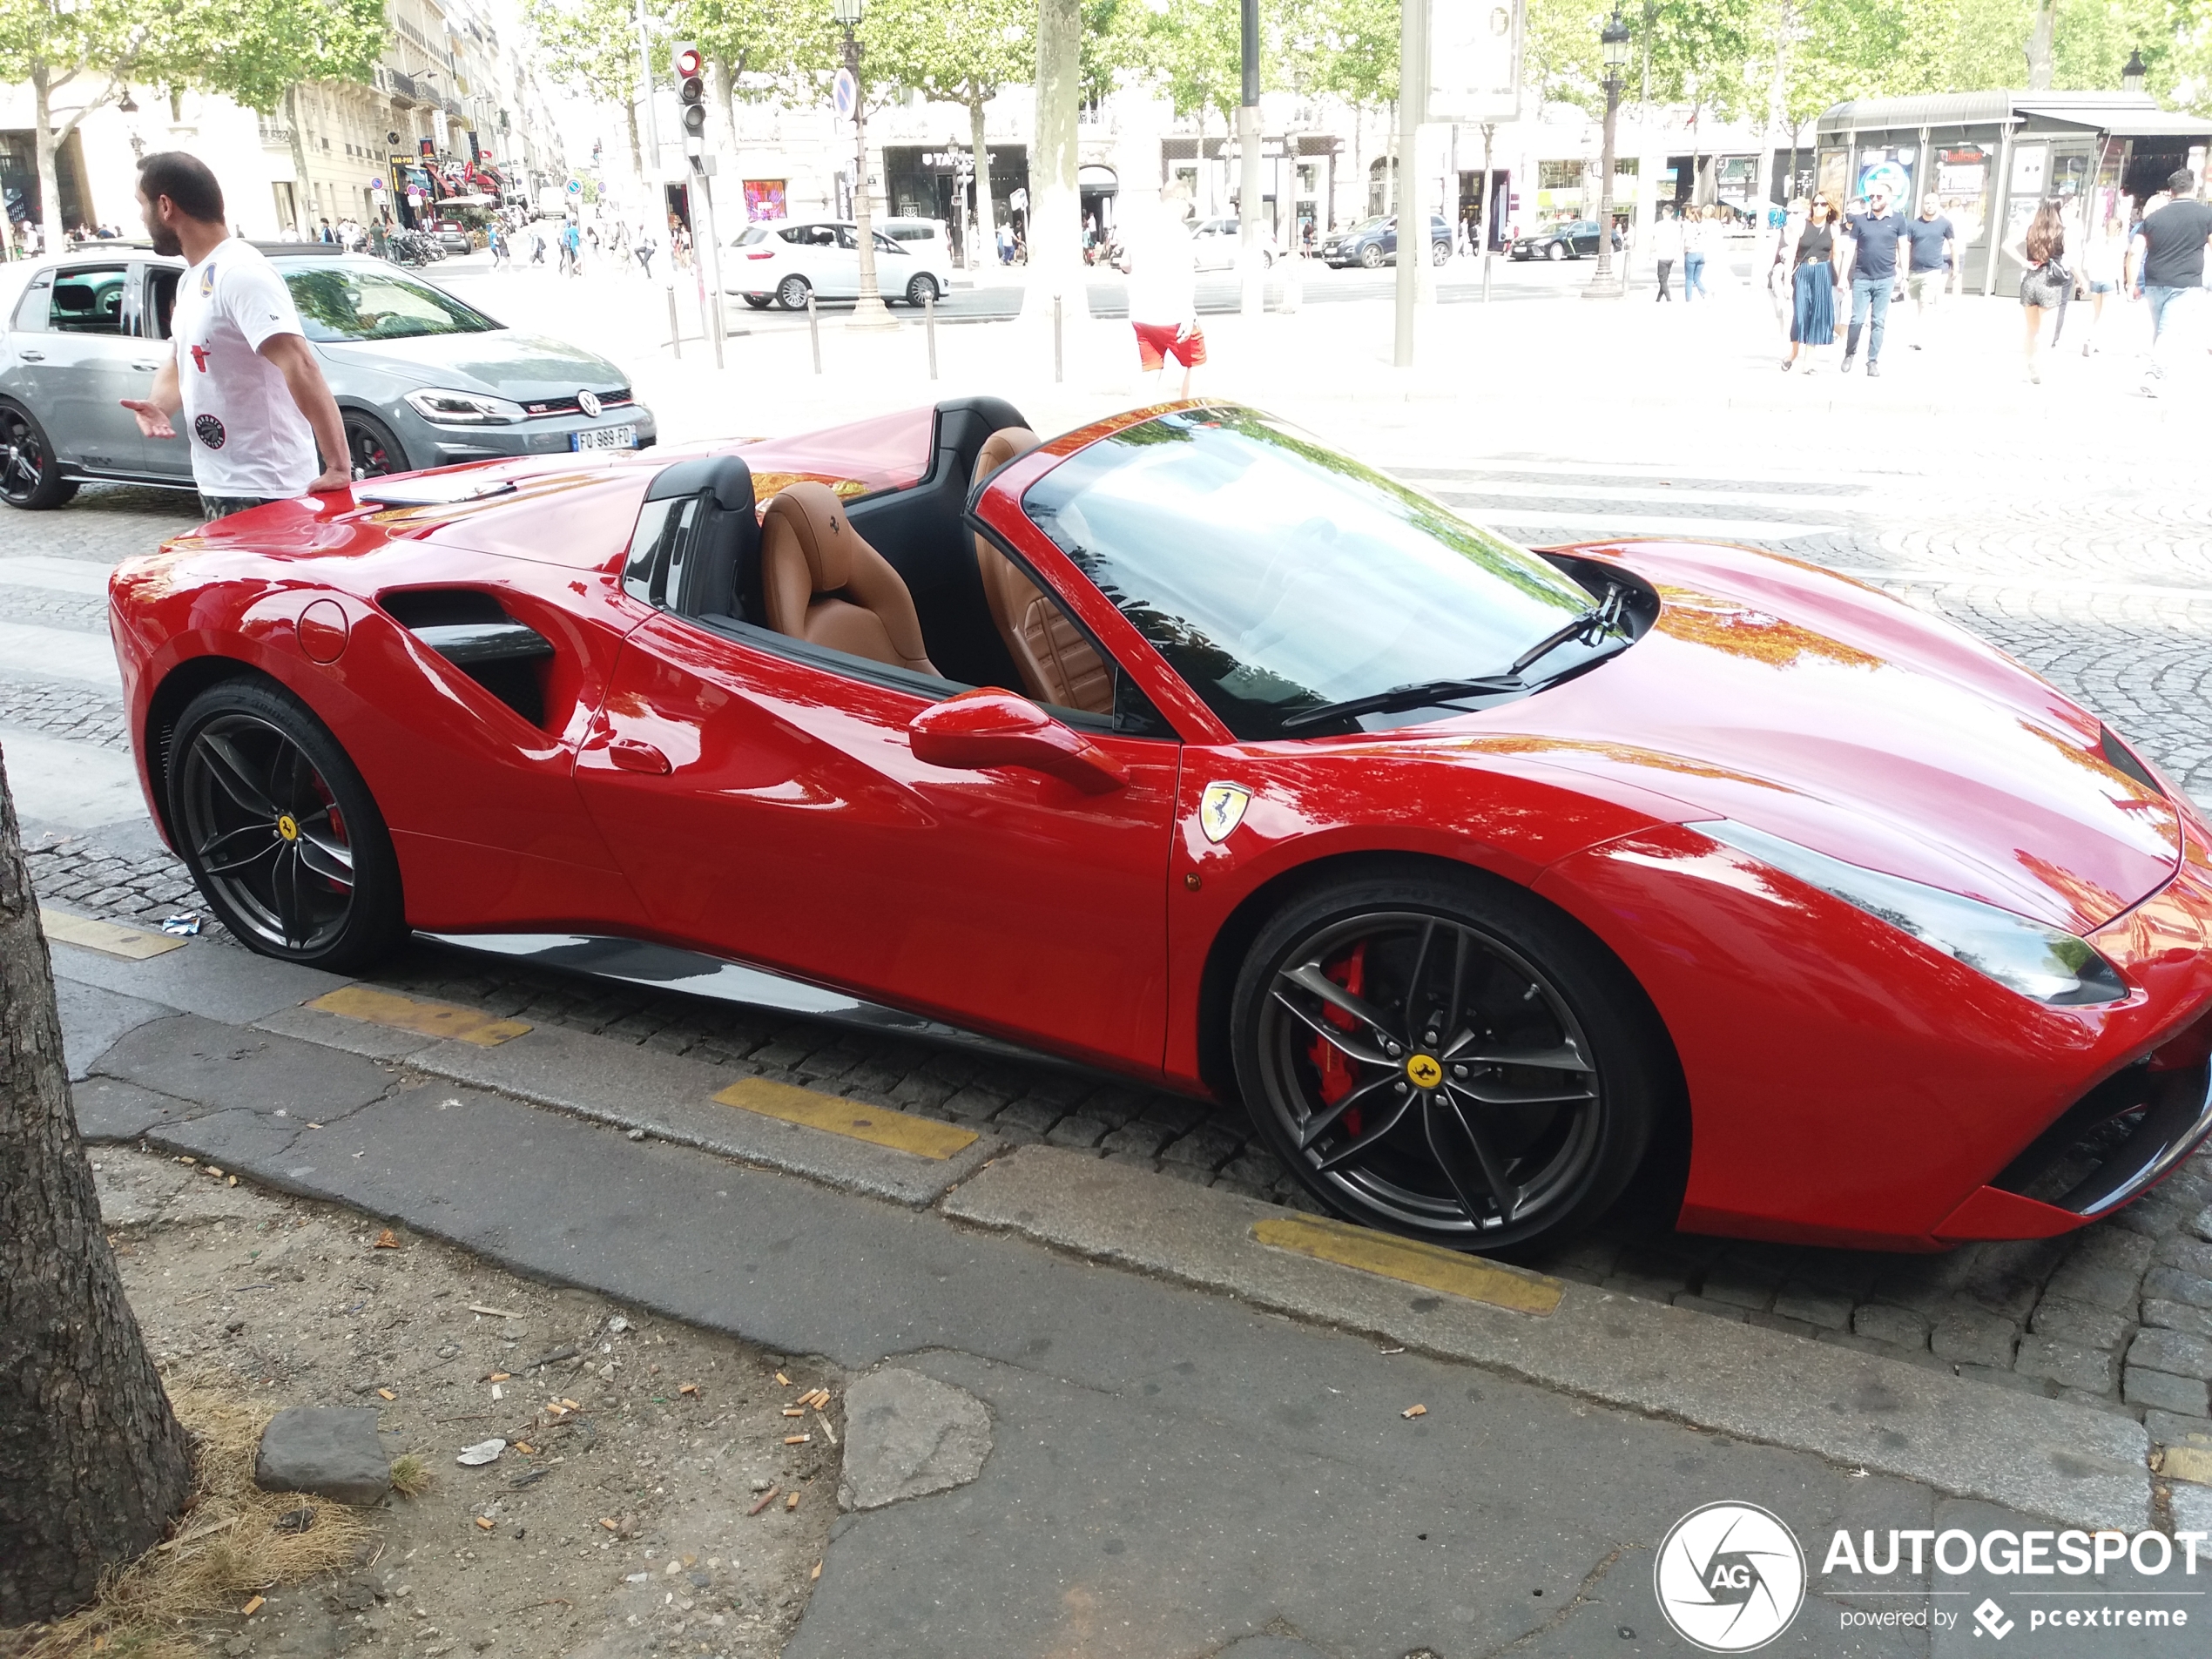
(93, 1464)
(1055, 236)
(1359, 168)
(1777, 96)
(2038, 45)
(49, 183)
(303, 215)
(982, 246)
(658, 215)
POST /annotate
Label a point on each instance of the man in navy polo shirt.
(1875, 235)
(1934, 242)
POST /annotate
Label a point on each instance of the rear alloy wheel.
(1371, 257)
(372, 448)
(279, 832)
(29, 478)
(1451, 1060)
(1439, 254)
(921, 291)
(1555, 252)
(760, 301)
(791, 294)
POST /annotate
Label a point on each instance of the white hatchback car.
(1216, 242)
(782, 263)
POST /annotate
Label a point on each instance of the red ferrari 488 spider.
(1185, 746)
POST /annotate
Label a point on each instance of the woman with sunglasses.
(1812, 318)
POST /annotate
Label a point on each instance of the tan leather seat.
(1057, 663)
(822, 583)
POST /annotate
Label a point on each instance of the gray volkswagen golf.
(423, 378)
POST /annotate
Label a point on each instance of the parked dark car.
(1575, 239)
(453, 237)
(1373, 243)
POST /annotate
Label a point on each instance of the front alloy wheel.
(278, 830)
(29, 478)
(1446, 1060)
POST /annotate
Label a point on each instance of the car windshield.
(1277, 577)
(340, 302)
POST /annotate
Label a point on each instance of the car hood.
(504, 361)
(1822, 711)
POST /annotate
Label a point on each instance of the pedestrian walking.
(2047, 284)
(1931, 262)
(2166, 264)
(572, 249)
(1875, 236)
(2104, 266)
(1161, 263)
(1666, 250)
(643, 247)
(1812, 316)
(1780, 276)
(496, 239)
(1697, 243)
(253, 398)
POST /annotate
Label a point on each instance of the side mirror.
(978, 730)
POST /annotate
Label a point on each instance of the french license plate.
(604, 437)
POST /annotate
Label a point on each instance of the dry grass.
(227, 1549)
(411, 1475)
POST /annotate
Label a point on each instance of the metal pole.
(657, 197)
(1248, 165)
(702, 199)
(814, 327)
(675, 327)
(1413, 94)
(868, 310)
(929, 327)
(1055, 338)
(1604, 285)
(1489, 205)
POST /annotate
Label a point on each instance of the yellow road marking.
(1426, 1265)
(923, 1136)
(132, 944)
(427, 1019)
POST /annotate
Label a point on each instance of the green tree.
(1346, 49)
(761, 52)
(87, 54)
(590, 47)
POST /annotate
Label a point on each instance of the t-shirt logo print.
(209, 431)
(199, 358)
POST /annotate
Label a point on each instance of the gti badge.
(1221, 809)
(588, 402)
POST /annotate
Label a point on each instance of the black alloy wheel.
(1371, 257)
(29, 478)
(792, 291)
(371, 450)
(1452, 1059)
(278, 830)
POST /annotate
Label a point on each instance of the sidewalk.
(1198, 1440)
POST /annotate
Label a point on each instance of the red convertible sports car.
(1185, 746)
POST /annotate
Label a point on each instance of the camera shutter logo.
(1729, 1577)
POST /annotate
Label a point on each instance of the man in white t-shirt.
(1160, 259)
(256, 406)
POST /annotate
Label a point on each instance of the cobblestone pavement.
(2107, 591)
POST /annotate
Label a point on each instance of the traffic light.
(690, 94)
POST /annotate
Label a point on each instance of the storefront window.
(764, 198)
(1962, 186)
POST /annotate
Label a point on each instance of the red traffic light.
(689, 62)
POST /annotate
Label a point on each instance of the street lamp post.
(869, 311)
(2135, 71)
(1613, 42)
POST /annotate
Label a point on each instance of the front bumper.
(428, 444)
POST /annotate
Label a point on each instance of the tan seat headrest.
(816, 519)
(1005, 444)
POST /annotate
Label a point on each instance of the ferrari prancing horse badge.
(1221, 809)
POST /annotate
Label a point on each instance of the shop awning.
(2128, 123)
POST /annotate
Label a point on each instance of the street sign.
(1474, 60)
(845, 93)
(575, 187)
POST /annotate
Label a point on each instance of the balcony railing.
(402, 86)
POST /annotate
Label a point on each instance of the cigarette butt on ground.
(252, 1607)
(765, 1500)
(797, 1439)
(1414, 1411)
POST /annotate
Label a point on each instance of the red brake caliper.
(1351, 972)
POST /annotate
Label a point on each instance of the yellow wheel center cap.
(1424, 1071)
(288, 827)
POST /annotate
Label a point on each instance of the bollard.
(675, 329)
(814, 329)
(930, 327)
(1056, 338)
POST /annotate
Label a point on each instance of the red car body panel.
(1847, 1085)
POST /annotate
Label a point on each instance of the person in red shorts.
(1162, 288)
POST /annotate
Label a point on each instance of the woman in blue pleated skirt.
(1812, 316)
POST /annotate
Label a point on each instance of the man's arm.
(303, 378)
(2131, 279)
(164, 400)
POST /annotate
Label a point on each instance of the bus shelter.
(1991, 158)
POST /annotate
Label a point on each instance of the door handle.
(32, 356)
(146, 368)
(630, 755)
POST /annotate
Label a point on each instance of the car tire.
(760, 301)
(792, 291)
(1439, 254)
(921, 291)
(1555, 252)
(371, 450)
(278, 830)
(1371, 257)
(1487, 1156)
(30, 478)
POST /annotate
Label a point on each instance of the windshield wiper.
(1419, 695)
(1600, 619)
